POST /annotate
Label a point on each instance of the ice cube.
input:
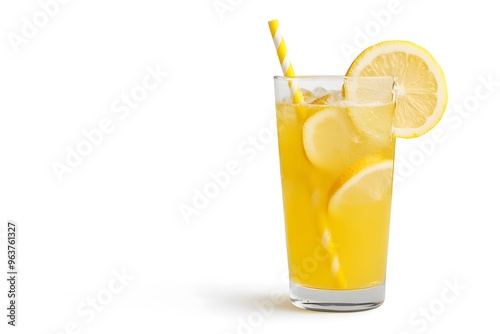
(319, 94)
(307, 95)
(329, 97)
(334, 96)
(319, 91)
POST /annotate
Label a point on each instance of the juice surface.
(325, 148)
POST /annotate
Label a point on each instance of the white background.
(118, 210)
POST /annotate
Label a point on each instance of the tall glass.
(336, 155)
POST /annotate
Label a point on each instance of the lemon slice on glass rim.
(421, 92)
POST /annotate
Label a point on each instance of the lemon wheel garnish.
(420, 83)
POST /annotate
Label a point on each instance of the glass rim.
(325, 77)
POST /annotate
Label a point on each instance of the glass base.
(337, 300)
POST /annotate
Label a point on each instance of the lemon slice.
(420, 83)
(329, 138)
(370, 184)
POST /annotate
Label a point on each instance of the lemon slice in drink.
(420, 84)
(329, 138)
(369, 184)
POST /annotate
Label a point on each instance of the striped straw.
(286, 65)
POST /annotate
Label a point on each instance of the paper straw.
(287, 68)
(286, 65)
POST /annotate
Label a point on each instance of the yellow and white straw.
(286, 65)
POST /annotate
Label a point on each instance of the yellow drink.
(336, 140)
(336, 160)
